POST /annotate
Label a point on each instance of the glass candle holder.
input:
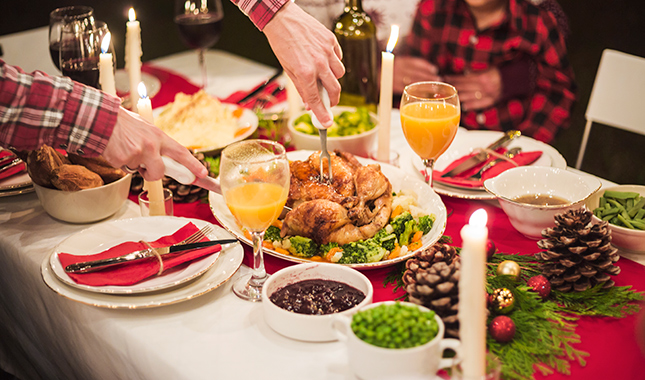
(144, 203)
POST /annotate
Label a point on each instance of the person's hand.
(308, 52)
(410, 70)
(135, 143)
(477, 90)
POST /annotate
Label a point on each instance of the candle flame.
(143, 93)
(131, 15)
(394, 37)
(479, 218)
(105, 44)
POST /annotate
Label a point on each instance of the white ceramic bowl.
(530, 219)
(624, 238)
(362, 144)
(311, 328)
(85, 206)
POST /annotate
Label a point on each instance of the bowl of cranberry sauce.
(300, 301)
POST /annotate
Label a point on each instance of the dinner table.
(213, 334)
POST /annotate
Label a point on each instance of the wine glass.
(77, 17)
(80, 51)
(200, 25)
(254, 176)
(430, 114)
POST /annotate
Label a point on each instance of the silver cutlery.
(509, 154)
(483, 154)
(322, 131)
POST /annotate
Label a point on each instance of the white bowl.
(362, 144)
(530, 219)
(311, 328)
(624, 238)
(85, 206)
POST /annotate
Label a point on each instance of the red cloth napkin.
(462, 179)
(136, 271)
(14, 170)
(279, 97)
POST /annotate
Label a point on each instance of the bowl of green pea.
(395, 340)
(623, 207)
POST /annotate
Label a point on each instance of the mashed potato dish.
(199, 121)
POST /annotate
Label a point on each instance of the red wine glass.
(80, 52)
(77, 17)
(200, 26)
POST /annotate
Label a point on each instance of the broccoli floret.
(398, 223)
(385, 239)
(272, 234)
(373, 251)
(324, 248)
(425, 223)
(353, 254)
(410, 228)
(303, 247)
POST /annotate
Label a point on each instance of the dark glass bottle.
(356, 34)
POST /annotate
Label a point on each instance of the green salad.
(346, 123)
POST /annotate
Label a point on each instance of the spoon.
(322, 131)
(510, 154)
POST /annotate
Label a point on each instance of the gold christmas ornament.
(509, 268)
(502, 301)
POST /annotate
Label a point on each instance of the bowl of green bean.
(623, 207)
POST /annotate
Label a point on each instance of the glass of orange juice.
(255, 177)
(430, 115)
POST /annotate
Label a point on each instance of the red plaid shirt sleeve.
(444, 33)
(37, 109)
(260, 11)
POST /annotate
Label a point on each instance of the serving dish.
(224, 268)
(466, 142)
(119, 231)
(426, 197)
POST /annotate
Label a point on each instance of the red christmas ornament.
(502, 329)
(540, 285)
(490, 249)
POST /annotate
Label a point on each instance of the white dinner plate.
(427, 200)
(227, 264)
(466, 142)
(103, 236)
(248, 119)
(16, 181)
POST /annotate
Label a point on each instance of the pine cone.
(578, 253)
(431, 280)
(180, 193)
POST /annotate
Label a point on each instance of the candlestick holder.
(144, 203)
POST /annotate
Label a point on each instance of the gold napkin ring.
(499, 156)
(157, 255)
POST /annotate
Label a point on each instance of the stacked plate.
(179, 284)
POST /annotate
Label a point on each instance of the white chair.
(617, 97)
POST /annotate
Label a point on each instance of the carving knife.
(482, 156)
(91, 266)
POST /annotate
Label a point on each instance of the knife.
(184, 176)
(260, 88)
(482, 155)
(91, 266)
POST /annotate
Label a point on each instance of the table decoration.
(155, 189)
(133, 54)
(10, 164)
(106, 66)
(545, 338)
(385, 99)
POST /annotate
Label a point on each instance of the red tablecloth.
(611, 343)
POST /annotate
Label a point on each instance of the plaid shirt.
(37, 109)
(444, 32)
(260, 11)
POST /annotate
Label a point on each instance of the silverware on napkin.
(483, 154)
(261, 87)
(91, 266)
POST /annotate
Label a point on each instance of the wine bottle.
(356, 34)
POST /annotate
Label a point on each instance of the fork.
(197, 236)
(322, 131)
(509, 154)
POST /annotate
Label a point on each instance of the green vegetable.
(395, 326)
(214, 165)
(303, 247)
(410, 229)
(622, 208)
(398, 223)
(353, 253)
(347, 123)
(425, 223)
(272, 234)
(385, 239)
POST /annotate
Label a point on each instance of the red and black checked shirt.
(444, 32)
(260, 11)
(37, 109)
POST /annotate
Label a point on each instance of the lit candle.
(155, 188)
(385, 100)
(133, 54)
(472, 296)
(106, 67)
